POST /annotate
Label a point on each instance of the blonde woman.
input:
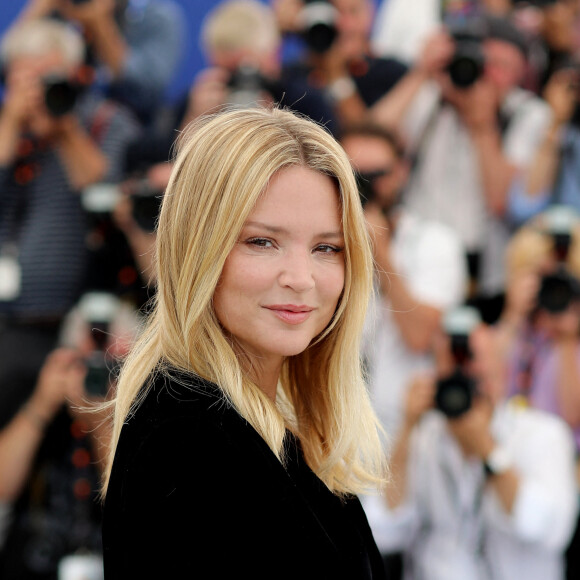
(242, 429)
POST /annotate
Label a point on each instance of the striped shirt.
(42, 218)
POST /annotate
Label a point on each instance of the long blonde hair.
(224, 164)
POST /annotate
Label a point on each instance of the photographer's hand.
(287, 14)
(478, 107)
(419, 399)
(23, 95)
(208, 93)
(390, 110)
(59, 381)
(436, 54)
(472, 431)
(83, 160)
(561, 95)
(98, 19)
(38, 9)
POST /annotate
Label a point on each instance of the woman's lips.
(290, 313)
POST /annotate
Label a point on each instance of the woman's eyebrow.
(279, 230)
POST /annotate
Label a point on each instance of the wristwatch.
(497, 462)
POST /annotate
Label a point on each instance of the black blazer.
(195, 492)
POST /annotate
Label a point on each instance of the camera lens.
(467, 64)
(454, 394)
(319, 25)
(60, 95)
(557, 291)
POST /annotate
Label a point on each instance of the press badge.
(10, 275)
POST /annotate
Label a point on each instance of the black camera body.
(454, 392)
(559, 289)
(98, 310)
(468, 61)
(145, 205)
(318, 24)
(365, 181)
(246, 86)
(60, 94)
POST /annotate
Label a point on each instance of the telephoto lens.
(318, 24)
(246, 86)
(60, 94)
(454, 392)
(560, 288)
(145, 205)
(468, 61)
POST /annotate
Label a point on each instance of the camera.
(560, 288)
(246, 86)
(454, 393)
(145, 205)
(318, 24)
(60, 94)
(365, 181)
(99, 309)
(468, 61)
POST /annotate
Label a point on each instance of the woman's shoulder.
(171, 392)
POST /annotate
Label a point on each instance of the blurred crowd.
(462, 121)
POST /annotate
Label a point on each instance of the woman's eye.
(260, 242)
(328, 249)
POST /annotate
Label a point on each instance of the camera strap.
(467, 508)
(531, 347)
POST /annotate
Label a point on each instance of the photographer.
(135, 214)
(241, 43)
(402, 28)
(488, 493)
(51, 148)
(473, 137)
(554, 174)
(136, 45)
(420, 272)
(339, 60)
(539, 329)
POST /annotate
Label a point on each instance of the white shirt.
(402, 27)
(446, 183)
(452, 525)
(431, 260)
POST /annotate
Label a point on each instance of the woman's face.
(282, 280)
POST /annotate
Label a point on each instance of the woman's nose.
(297, 271)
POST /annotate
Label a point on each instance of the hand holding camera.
(419, 399)
(61, 380)
(436, 54)
(561, 93)
(23, 96)
(87, 12)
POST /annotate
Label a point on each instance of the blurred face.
(25, 76)
(372, 154)
(282, 281)
(355, 19)
(485, 364)
(505, 65)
